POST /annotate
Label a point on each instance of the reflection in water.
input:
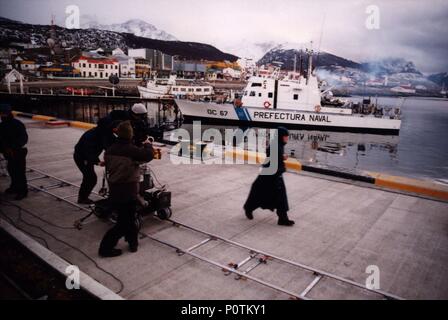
(346, 150)
(320, 147)
(421, 149)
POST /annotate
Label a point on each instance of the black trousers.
(125, 227)
(17, 171)
(89, 177)
(268, 192)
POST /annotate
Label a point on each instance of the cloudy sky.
(412, 29)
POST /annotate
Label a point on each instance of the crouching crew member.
(269, 191)
(122, 166)
(13, 138)
(86, 156)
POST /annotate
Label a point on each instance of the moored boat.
(296, 103)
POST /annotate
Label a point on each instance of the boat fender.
(266, 104)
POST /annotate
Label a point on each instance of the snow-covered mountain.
(256, 50)
(440, 78)
(137, 27)
(249, 50)
(390, 66)
(285, 53)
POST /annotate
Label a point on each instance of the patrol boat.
(296, 103)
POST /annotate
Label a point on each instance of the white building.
(117, 52)
(98, 68)
(139, 53)
(126, 65)
(231, 73)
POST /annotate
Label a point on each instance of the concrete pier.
(341, 228)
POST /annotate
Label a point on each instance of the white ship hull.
(227, 113)
(152, 93)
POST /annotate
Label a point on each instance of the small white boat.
(270, 101)
(173, 87)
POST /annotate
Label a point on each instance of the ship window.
(83, 65)
(198, 90)
(252, 94)
(174, 89)
(270, 94)
(256, 85)
(183, 89)
(259, 94)
(245, 93)
(190, 89)
(206, 89)
(90, 66)
(296, 97)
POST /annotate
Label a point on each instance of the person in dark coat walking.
(123, 161)
(13, 138)
(268, 191)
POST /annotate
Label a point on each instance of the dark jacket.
(13, 135)
(90, 146)
(106, 124)
(123, 170)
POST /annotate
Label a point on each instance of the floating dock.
(343, 226)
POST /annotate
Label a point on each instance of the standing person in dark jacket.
(269, 191)
(123, 161)
(13, 138)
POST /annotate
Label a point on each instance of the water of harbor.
(420, 151)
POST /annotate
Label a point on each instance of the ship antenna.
(320, 37)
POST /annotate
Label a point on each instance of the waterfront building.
(231, 74)
(190, 69)
(142, 68)
(160, 62)
(126, 65)
(98, 68)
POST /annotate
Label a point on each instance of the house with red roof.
(96, 68)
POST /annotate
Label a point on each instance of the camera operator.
(123, 161)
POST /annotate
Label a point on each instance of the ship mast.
(295, 62)
(310, 63)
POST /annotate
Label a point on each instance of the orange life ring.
(266, 104)
(317, 108)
